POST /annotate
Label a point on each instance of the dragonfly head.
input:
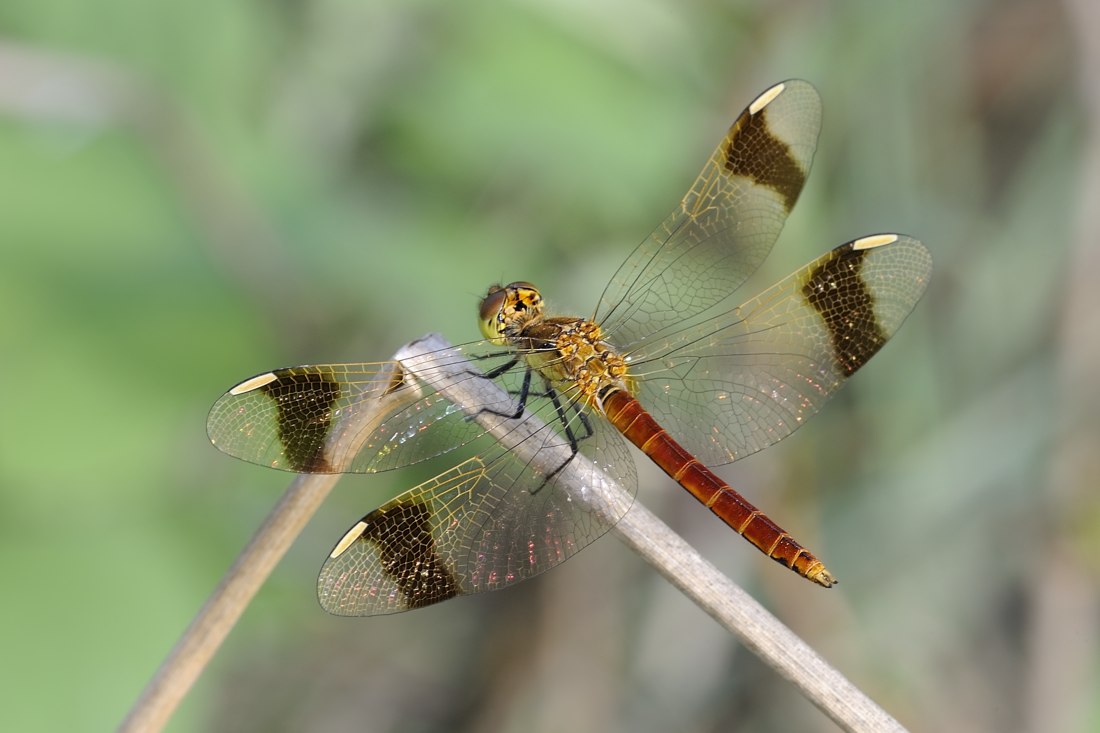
(506, 309)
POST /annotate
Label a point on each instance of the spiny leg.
(521, 401)
(496, 371)
(567, 428)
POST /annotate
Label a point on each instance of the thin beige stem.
(764, 635)
(225, 605)
(222, 610)
(639, 529)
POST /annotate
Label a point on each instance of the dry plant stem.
(771, 641)
(222, 610)
(639, 529)
(209, 628)
(681, 564)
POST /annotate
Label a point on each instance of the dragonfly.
(663, 363)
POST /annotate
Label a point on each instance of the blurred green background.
(191, 193)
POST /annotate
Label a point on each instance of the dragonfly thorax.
(577, 360)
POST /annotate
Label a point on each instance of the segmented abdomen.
(628, 415)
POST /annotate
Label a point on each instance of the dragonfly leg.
(495, 372)
(521, 401)
(567, 428)
(583, 417)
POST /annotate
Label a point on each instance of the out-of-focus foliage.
(191, 193)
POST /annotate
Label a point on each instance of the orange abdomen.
(628, 415)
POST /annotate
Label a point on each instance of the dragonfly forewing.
(298, 419)
(726, 223)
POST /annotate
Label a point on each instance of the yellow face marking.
(345, 542)
(875, 240)
(506, 310)
(766, 98)
(255, 383)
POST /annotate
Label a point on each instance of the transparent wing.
(298, 419)
(508, 514)
(726, 224)
(737, 383)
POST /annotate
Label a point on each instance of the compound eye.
(489, 312)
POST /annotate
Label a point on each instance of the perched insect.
(690, 384)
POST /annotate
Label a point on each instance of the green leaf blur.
(192, 193)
